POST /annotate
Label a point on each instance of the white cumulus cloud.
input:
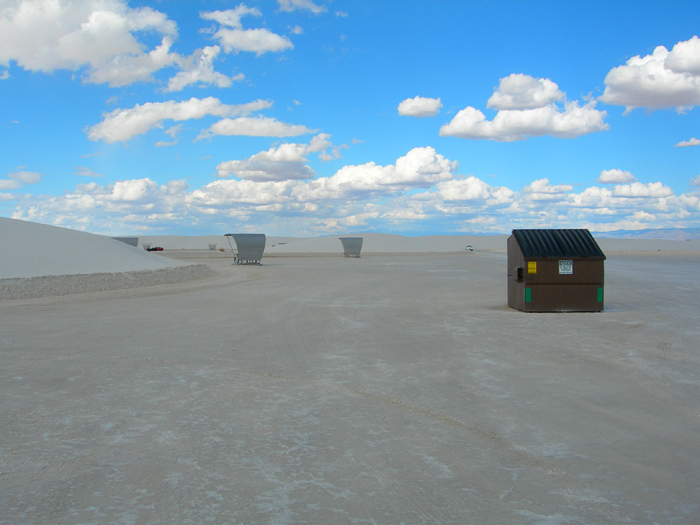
(123, 124)
(420, 107)
(615, 177)
(233, 38)
(97, 35)
(259, 169)
(686, 143)
(513, 125)
(82, 171)
(473, 189)
(18, 179)
(133, 190)
(527, 107)
(258, 41)
(9, 184)
(695, 181)
(685, 57)
(293, 5)
(285, 162)
(132, 204)
(419, 168)
(412, 213)
(231, 17)
(138, 68)
(26, 177)
(199, 69)
(637, 190)
(254, 127)
(519, 91)
(661, 80)
(542, 190)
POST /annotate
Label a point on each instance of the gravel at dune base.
(58, 285)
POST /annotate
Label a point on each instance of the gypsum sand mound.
(58, 285)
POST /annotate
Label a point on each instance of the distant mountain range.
(673, 234)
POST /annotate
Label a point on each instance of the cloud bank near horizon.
(422, 185)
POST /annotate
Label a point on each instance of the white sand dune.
(200, 242)
(390, 243)
(32, 250)
(372, 243)
(611, 246)
(386, 243)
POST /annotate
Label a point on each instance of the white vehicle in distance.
(469, 247)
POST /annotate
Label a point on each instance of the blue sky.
(301, 117)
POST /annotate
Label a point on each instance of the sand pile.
(38, 260)
(32, 250)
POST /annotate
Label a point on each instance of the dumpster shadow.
(501, 308)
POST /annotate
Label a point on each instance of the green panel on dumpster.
(528, 296)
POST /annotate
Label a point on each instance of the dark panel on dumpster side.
(565, 298)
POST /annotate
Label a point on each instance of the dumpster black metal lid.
(557, 243)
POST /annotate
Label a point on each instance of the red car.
(155, 249)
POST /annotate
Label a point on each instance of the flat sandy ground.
(388, 389)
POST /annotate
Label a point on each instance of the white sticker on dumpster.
(566, 267)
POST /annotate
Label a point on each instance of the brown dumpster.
(555, 271)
